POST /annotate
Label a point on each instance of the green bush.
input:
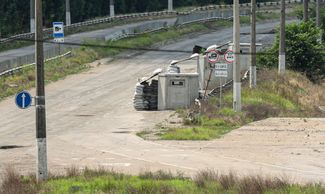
(304, 53)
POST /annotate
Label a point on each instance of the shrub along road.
(91, 122)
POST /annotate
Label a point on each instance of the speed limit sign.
(229, 56)
(213, 56)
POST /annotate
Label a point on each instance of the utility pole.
(236, 64)
(282, 58)
(305, 18)
(318, 13)
(111, 8)
(42, 173)
(252, 71)
(32, 16)
(67, 13)
(170, 5)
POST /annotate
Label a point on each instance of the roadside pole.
(67, 13)
(42, 173)
(252, 71)
(305, 18)
(32, 16)
(220, 97)
(282, 58)
(236, 64)
(111, 8)
(170, 5)
(318, 13)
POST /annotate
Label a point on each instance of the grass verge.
(107, 181)
(292, 95)
(54, 70)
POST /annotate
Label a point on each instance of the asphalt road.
(76, 38)
(91, 122)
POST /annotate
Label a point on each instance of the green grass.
(103, 181)
(200, 128)
(54, 70)
(292, 95)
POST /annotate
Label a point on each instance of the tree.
(304, 53)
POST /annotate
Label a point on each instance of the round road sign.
(23, 100)
(229, 56)
(213, 56)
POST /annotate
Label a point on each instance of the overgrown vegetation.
(292, 95)
(54, 70)
(107, 181)
(304, 53)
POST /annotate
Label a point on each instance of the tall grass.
(107, 181)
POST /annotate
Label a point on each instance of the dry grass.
(296, 87)
(101, 180)
(12, 183)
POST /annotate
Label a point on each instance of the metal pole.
(32, 16)
(67, 13)
(111, 8)
(170, 5)
(42, 173)
(305, 10)
(236, 64)
(282, 58)
(220, 100)
(318, 13)
(252, 71)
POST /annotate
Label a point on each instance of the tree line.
(15, 14)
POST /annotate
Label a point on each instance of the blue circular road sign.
(23, 100)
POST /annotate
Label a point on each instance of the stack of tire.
(146, 96)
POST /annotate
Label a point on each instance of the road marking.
(150, 161)
(116, 164)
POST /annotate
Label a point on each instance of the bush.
(304, 53)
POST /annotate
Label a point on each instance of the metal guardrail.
(10, 71)
(184, 18)
(48, 31)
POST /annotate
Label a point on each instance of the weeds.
(106, 181)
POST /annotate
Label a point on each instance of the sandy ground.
(91, 122)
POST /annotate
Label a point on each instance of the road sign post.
(42, 173)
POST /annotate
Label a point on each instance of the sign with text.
(221, 70)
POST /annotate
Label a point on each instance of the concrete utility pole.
(170, 5)
(42, 173)
(111, 8)
(236, 64)
(67, 13)
(318, 13)
(305, 10)
(32, 16)
(282, 58)
(252, 70)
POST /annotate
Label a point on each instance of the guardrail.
(10, 71)
(197, 15)
(48, 31)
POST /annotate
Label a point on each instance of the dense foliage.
(14, 14)
(304, 52)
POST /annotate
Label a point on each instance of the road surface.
(91, 122)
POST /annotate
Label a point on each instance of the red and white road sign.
(213, 56)
(229, 56)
